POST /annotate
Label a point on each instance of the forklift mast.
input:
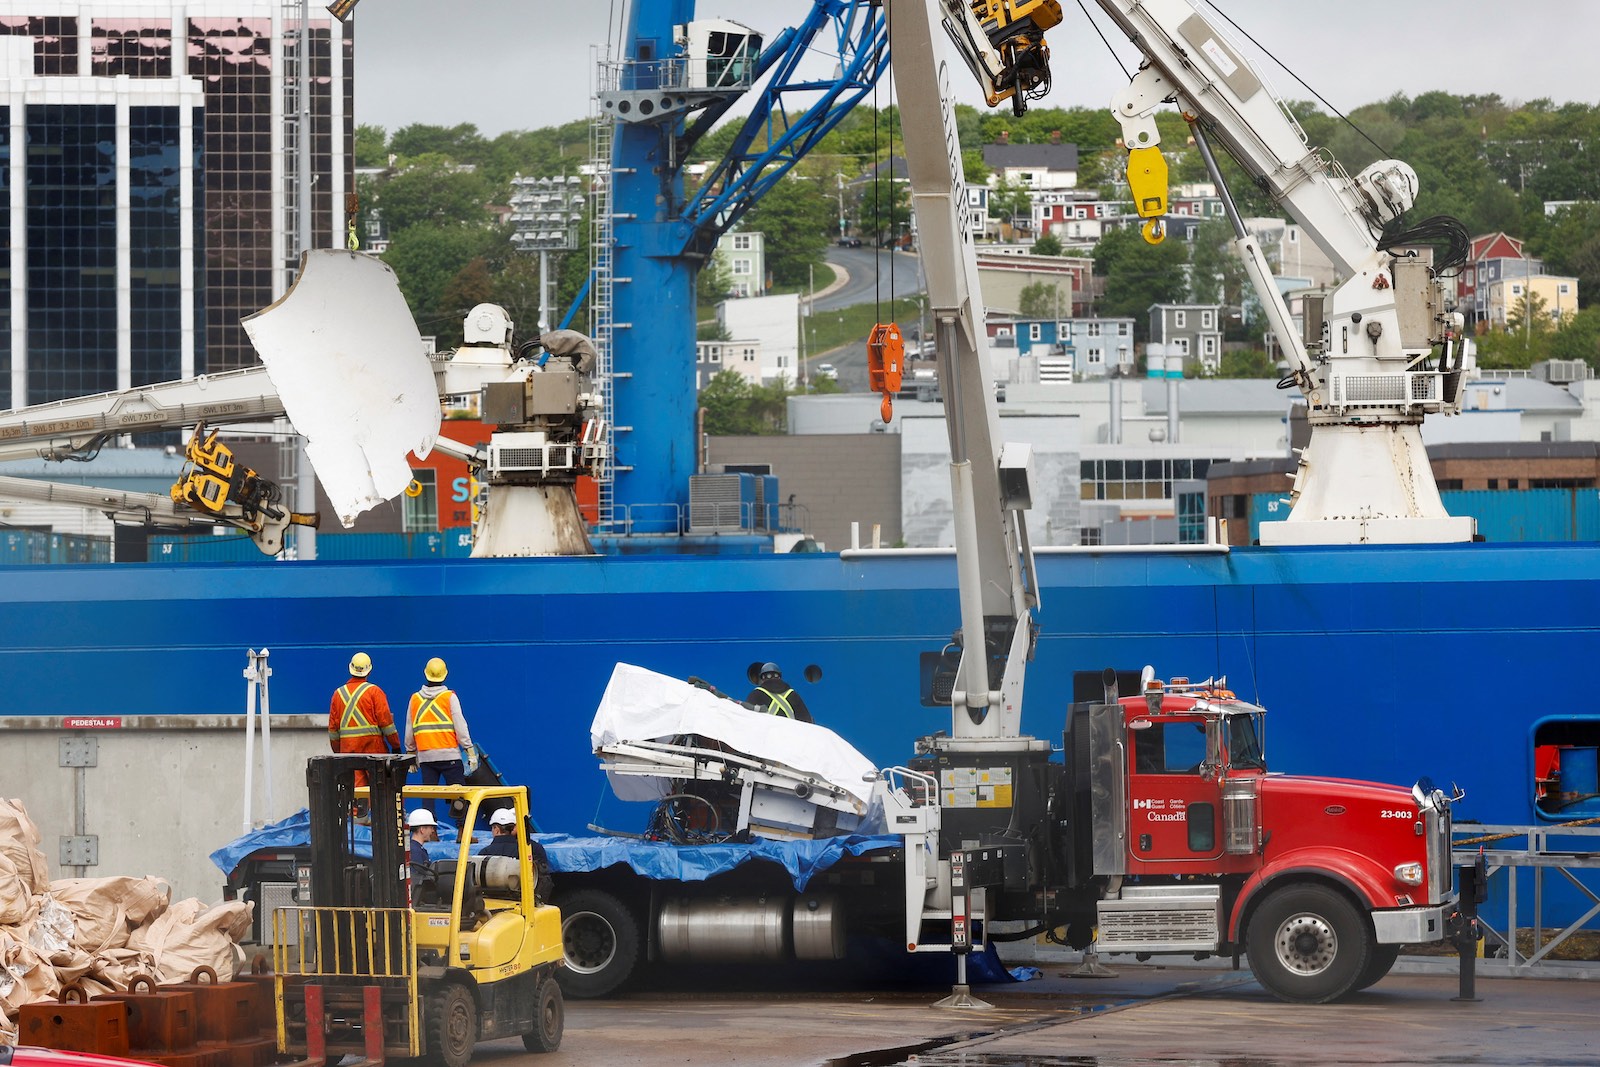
(340, 878)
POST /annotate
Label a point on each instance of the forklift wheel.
(452, 1026)
(550, 1013)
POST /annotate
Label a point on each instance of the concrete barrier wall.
(162, 794)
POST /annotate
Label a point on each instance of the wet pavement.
(1146, 1015)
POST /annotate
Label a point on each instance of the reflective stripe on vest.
(431, 724)
(778, 705)
(354, 721)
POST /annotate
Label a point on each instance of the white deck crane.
(343, 360)
(1377, 354)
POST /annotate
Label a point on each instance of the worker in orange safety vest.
(437, 731)
(358, 716)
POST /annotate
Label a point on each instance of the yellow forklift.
(390, 958)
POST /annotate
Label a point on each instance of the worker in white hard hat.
(423, 829)
(773, 695)
(358, 716)
(503, 827)
(437, 731)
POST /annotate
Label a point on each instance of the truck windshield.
(1244, 743)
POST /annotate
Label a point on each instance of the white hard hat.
(360, 665)
(421, 817)
(503, 817)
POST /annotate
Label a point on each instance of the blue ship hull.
(1373, 662)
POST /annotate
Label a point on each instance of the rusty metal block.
(266, 1012)
(224, 1011)
(252, 1053)
(159, 1020)
(98, 1026)
(192, 1057)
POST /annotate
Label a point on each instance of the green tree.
(734, 407)
(1139, 274)
(461, 143)
(1010, 204)
(1569, 243)
(426, 259)
(1043, 300)
(514, 285)
(798, 221)
(715, 280)
(1247, 363)
(1529, 314)
(726, 400)
(1216, 274)
(1579, 338)
(372, 146)
(885, 208)
(470, 287)
(1048, 245)
(434, 190)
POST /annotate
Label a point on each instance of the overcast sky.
(522, 64)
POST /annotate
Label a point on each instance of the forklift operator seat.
(472, 907)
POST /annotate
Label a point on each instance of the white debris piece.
(345, 356)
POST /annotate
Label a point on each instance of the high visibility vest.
(431, 724)
(353, 722)
(778, 705)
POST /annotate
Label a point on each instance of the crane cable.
(885, 344)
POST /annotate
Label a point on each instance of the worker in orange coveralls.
(358, 716)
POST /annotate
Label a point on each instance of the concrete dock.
(1147, 1014)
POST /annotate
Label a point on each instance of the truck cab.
(1195, 847)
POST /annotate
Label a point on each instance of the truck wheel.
(1378, 964)
(550, 1014)
(1308, 944)
(452, 1026)
(600, 938)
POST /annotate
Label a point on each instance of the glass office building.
(148, 183)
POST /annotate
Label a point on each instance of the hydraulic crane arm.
(67, 429)
(1376, 354)
(989, 486)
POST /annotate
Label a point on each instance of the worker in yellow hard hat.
(359, 719)
(437, 731)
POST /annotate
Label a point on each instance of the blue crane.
(671, 86)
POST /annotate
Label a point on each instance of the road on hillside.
(870, 280)
(875, 273)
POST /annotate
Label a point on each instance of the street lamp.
(545, 213)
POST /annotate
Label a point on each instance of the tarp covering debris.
(803, 860)
(641, 705)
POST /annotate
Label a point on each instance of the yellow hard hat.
(360, 665)
(435, 670)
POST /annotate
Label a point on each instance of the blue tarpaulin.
(695, 863)
(650, 859)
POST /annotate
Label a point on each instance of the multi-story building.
(1090, 346)
(150, 157)
(746, 256)
(1503, 298)
(1038, 167)
(1075, 217)
(1492, 257)
(1004, 274)
(711, 358)
(1192, 331)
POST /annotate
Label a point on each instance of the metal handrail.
(1538, 855)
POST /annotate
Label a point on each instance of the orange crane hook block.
(886, 350)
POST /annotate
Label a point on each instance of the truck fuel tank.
(751, 929)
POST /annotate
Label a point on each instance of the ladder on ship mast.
(602, 329)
